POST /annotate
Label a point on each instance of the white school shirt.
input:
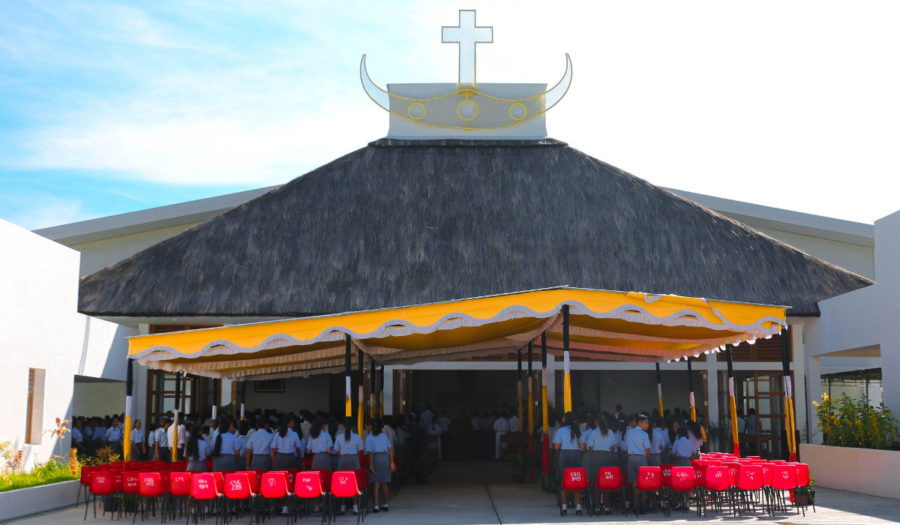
(501, 425)
(390, 433)
(137, 436)
(444, 422)
(513, 424)
(344, 447)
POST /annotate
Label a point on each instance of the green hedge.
(50, 472)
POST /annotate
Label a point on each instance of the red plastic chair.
(85, 487)
(784, 478)
(309, 489)
(717, 483)
(609, 480)
(238, 490)
(151, 490)
(749, 484)
(274, 486)
(101, 485)
(343, 485)
(649, 479)
(803, 481)
(681, 482)
(204, 489)
(179, 491)
(576, 480)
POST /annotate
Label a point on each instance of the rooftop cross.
(467, 34)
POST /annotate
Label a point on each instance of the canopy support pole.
(691, 391)
(214, 411)
(567, 380)
(381, 393)
(545, 418)
(732, 407)
(360, 400)
(788, 397)
(129, 385)
(530, 399)
(348, 394)
(174, 444)
(243, 398)
(373, 384)
(659, 389)
(519, 401)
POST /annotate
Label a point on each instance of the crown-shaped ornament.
(466, 109)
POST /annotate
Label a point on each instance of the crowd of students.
(267, 440)
(629, 442)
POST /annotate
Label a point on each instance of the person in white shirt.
(427, 417)
(513, 423)
(390, 432)
(182, 439)
(501, 428)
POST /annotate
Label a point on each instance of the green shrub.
(42, 474)
(848, 423)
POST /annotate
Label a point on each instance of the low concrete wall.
(34, 500)
(864, 470)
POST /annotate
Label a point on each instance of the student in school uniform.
(381, 464)
(113, 436)
(659, 443)
(320, 443)
(138, 450)
(683, 450)
(602, 444)
(242, 437)
(637, 446)
(588, 427)
(501, 428)
(163, 452)
(225, 451)
(286, 448)
(196, 450)
(568, 441)
(259, 447)
(347, 447)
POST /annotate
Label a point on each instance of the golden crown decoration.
(467, 107)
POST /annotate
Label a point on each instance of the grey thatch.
(410, 222)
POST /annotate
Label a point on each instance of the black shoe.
(579, 512)
(563, 512)
(385, 508)
(375, 510)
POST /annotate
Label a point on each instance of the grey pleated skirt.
(225, 462)
(261, 462)
(321, 461)
(567, 459)
(285, 461)
(681, 461)
(348, 462)
(196, 466)
(381, 463)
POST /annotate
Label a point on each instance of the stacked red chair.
(179, 492)
(239, 495)
(784, 479)
(717, 485)
(749, 484)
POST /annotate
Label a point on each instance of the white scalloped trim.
(399, 328)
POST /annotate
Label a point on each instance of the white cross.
(467, 34)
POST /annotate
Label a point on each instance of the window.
(35, 411)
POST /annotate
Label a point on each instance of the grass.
(50, 472)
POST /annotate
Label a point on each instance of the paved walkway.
(481, 494)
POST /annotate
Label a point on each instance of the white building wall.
(854, 257)
(40, 328)
(887, 260)
(99, 254)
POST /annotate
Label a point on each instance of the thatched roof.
(410, 222)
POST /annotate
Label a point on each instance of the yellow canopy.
(604, 325)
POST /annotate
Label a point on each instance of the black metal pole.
(567, 381)
(530, 357)
(788, 395)
(544, 350)
(348, 402)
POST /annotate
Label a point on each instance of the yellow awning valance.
(604, 325)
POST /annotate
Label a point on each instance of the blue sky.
(109, 107)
